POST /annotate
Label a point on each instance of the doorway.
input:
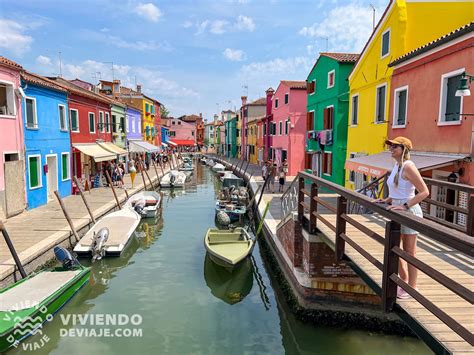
(52, 175)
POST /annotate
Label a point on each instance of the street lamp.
(463, 88)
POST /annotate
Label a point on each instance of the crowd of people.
(271, 170)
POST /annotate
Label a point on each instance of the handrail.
(289, 200)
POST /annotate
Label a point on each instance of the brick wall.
(291, 237)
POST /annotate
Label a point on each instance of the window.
(264, 132)
(34, 170)
(133, 125)
(7, 99)
(147, 108)
(107, 122)
(65, 168)
(281, 127)
(284, 155)
(173, 134)
(179, 122)
(328, 116)
(287, 97)
(62, 118)
(450, 104)
(74, 115)
(400, 107)
(101, 121)
(274, 128)
(310, 121)
(327, 163)
(122, 124)
(287, 126)
(386, 43)
(114, 122)
(355, 110)
(331, 78)
(352, 173)
(311, 87)
(380, 104)
(276, 103)
(91, 122)
(31, 119)
(192, 133)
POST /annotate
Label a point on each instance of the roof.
(258, 102)
(190, 118)
(41, 81)
(73, 88)
(342, 57)
(294, 84)
(127, 91)
(10, 63)
(459, 32)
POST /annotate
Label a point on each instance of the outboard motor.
(139, 206)
(223, 219)
(65, 257)
(98, 243)
(173, 176)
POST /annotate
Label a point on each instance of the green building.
(328, 110)
(231, 137)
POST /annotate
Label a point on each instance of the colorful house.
(220, 137)
(47, 140)
(12, 165)
(157, 123)
(328, 107)
(252, 148)
(260, 139)
(268, 124)
(238, 135)
(181, 133)
(289, 125)
(118, 111)
(249, 113)
(133, 124)
(231, 136)
(404, 26)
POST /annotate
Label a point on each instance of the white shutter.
(463, 201)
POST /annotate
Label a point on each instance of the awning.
(164, 144)
(113, 148)
(95, 151)
(139, 146)
(172, 143)
(381, 163)
(182, 142)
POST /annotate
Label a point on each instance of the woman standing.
(402, 183)
(281, 179)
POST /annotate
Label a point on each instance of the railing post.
(390, 265)
(341, 208)
(300, 199)
(470, 216)
(313, 208)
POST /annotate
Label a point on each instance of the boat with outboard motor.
(27, 304)
(110, 235)
(234, 210)
(145, 203)
(186, 166)
(174, 178)
(218, 168)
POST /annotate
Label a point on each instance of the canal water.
(165, 287)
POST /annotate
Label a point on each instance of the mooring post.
(246, 167)
(12, 250)
(148, 176)
(300, 199)
(156, 170)
(113, 189)
(313, 209)
(142, 173)
(162, 170)
(253, 198)
(68, 219)
(84, 199)
(390, 265)
(341, 208)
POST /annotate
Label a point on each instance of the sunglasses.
(394, 146)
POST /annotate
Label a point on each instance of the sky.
(193, 56)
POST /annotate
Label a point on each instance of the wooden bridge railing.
(308, 202)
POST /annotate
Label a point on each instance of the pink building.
(181, 133)
(288, 126)
(12, 168)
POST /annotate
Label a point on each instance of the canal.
(184, 304)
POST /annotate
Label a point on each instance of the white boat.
(186, 166)
(218, 167)
(145, 203)
(210, 162)
(228, 175)
(110, 235)
(174, 178)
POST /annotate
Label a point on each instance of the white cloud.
(43, 60)
(245, 23)
(347, 27)
(187, 24)
(234, 54)
(119, 42)
(278, 66)
(148, 11)
(218, 27)
(13, 37)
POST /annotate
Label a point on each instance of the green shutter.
(91, 123)
(453, 102)
(381, 104)
(34, 173)
(114, 122)
(65, 166)
(385, 43)
(73, 120)
(402, 107)
(355, 109)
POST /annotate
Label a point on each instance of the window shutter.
(330, 118)
(308, 87)
(402, 106)
(325, 118)
(30, 118)
(453, 102)
(355, 109)
(64, 166)
(381, 104)
(34, 181)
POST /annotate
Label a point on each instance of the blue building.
(47, 140)
(165, 135)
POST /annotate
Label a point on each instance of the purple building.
(133, 124)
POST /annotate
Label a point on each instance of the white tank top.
(405, 189)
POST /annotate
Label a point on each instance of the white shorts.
(416, 210)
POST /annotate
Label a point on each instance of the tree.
(164, 111)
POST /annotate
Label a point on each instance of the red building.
(157, 123)
(426, 110)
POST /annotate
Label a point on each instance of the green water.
(190, 306)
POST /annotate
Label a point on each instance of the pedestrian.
(402, 183)
(119, 173)
(272, 175)
(281, 179)
(133, 170)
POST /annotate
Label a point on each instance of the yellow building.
(404, 26)
(148, 120)
(252, 148)
(239, 136)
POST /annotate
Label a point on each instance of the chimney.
(139, 88)
(116, 86)
(244, 100)
(269, 93)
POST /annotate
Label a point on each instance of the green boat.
(228, 247)
(29, 303)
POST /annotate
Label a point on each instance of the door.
(14, 185)
(52, 175)
(316, 164)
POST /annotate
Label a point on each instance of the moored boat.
(145, 203)
(174, 178)
(228, 247)
(234, 210)
(218, 167)
(110, 235)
